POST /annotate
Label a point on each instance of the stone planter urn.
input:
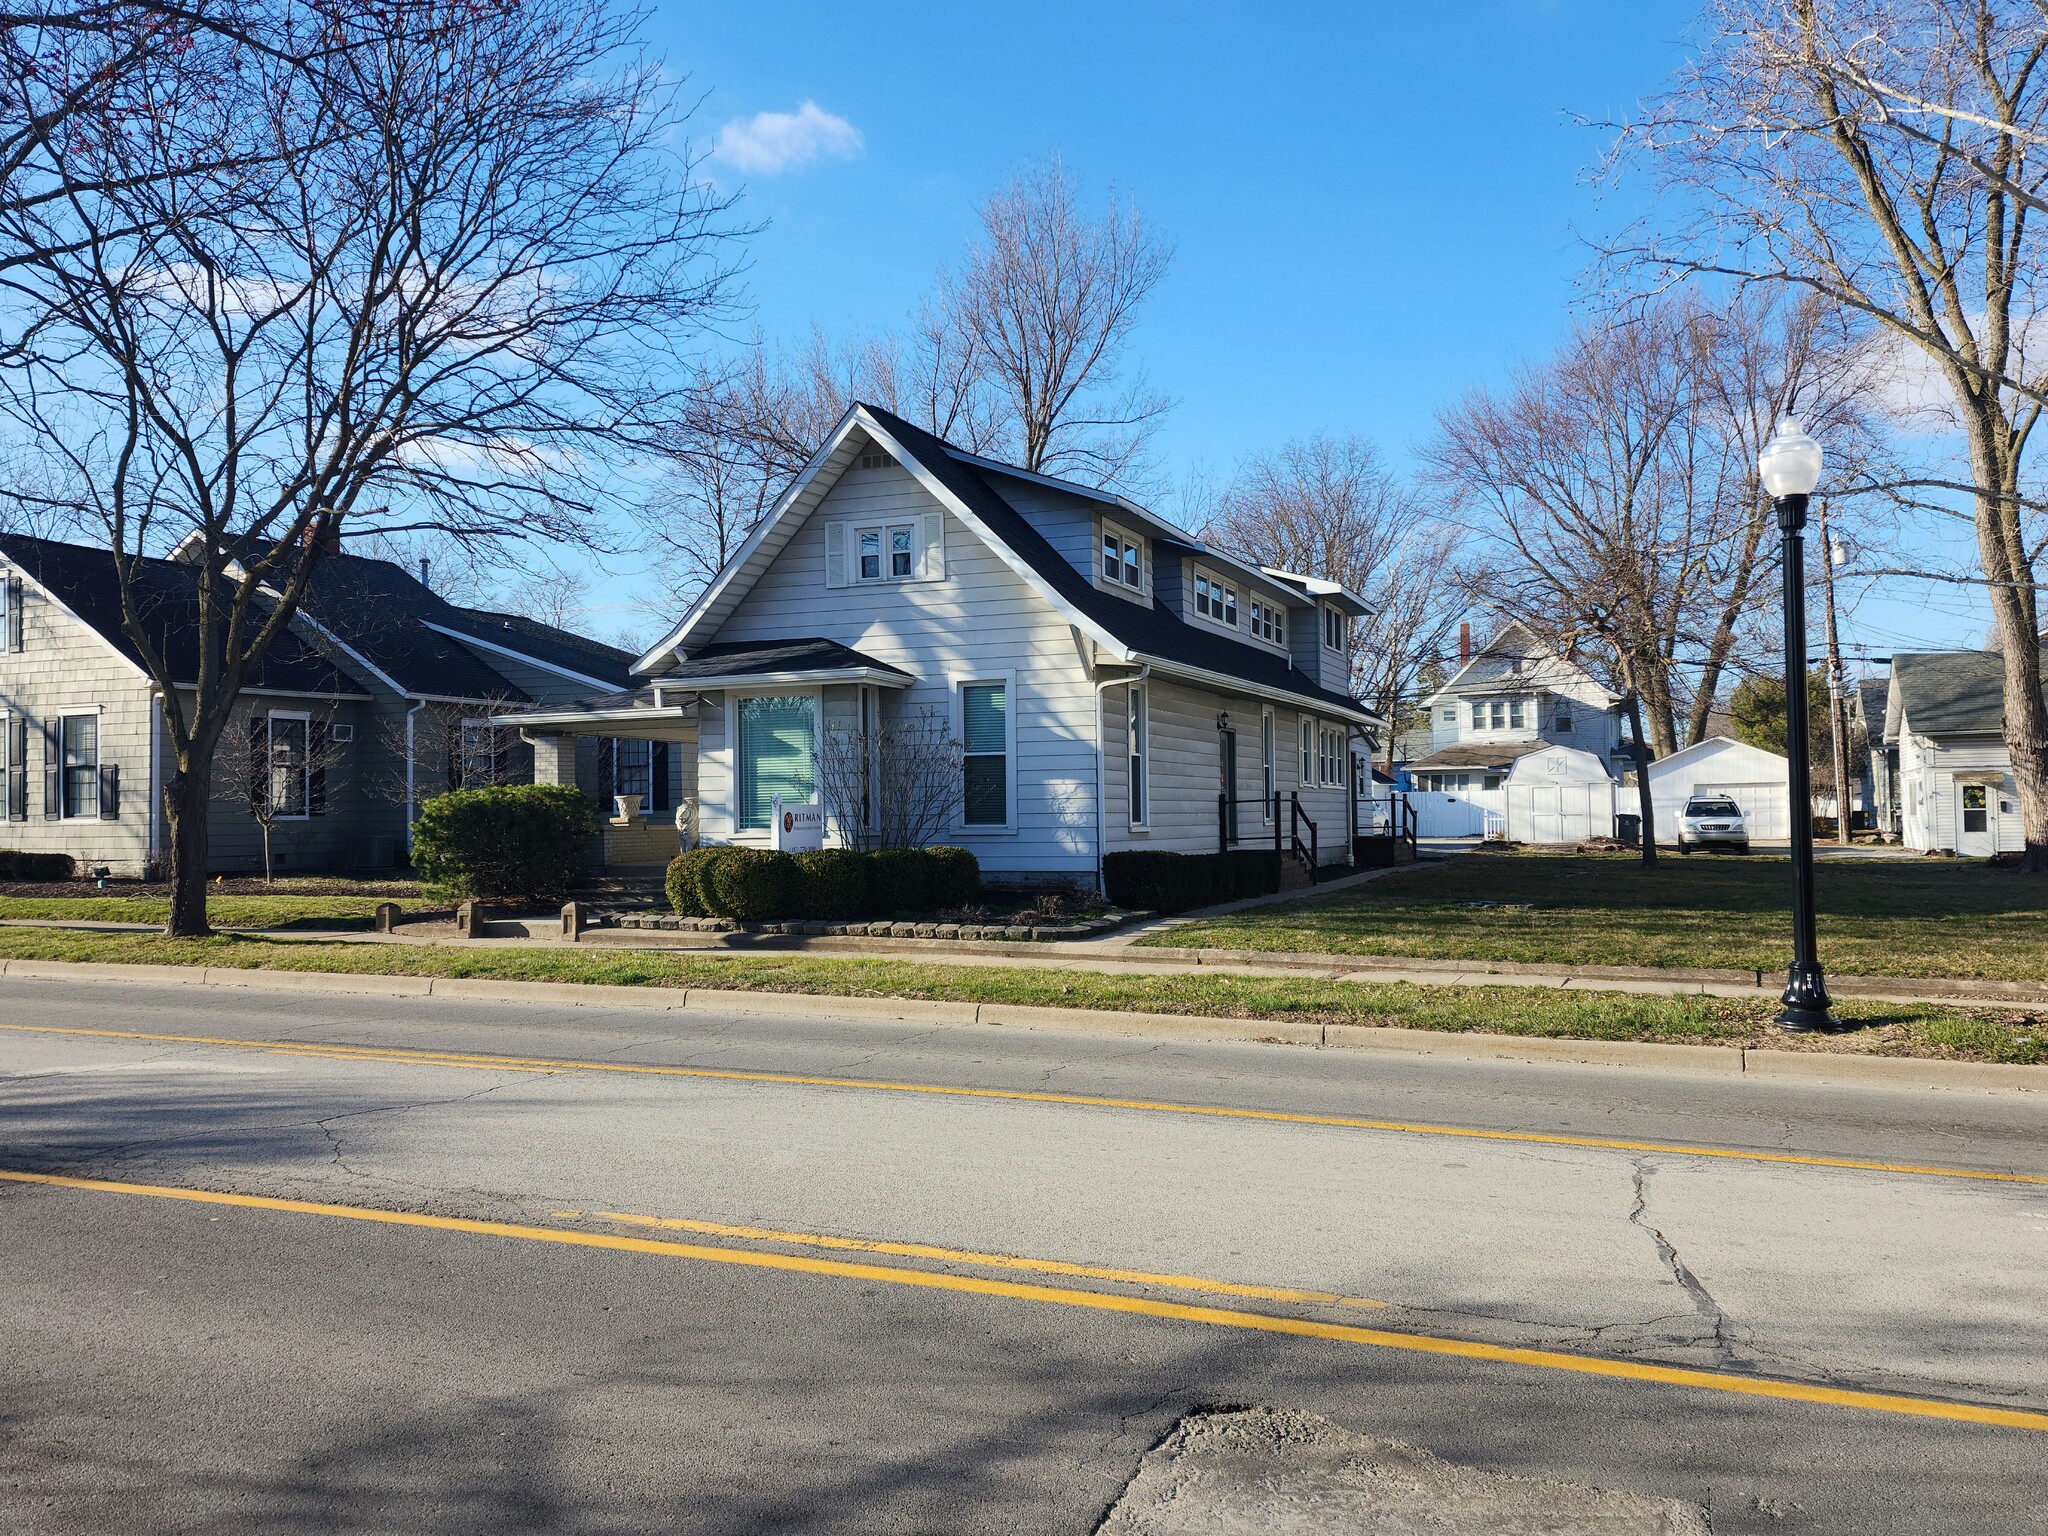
(626, 810)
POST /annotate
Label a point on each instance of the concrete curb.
(1708, 1060)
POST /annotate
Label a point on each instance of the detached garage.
(1753, 778)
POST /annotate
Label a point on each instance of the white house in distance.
(1116, 682)
(1754, 779)
(1523, 735)
(1953, 789)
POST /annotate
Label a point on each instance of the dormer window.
(1268, 622)
(1123, 559)
(1334, 629)
(1215, 600)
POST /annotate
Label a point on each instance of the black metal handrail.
(1308, 851)
(1229, 824)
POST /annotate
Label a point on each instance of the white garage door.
(1763, 807)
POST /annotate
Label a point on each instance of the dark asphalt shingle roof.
(1952, 693)
(1478, 754)
(544, 642)
(1875, 692)
(83, 578)
(1150, 631)
(742, 658)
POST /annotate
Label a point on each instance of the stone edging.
(1719, 1061)
(1013, 933)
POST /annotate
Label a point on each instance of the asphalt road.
(654, 1300)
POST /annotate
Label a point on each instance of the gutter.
(1101, 812)
(411, 799)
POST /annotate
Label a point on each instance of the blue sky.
(1376, 206)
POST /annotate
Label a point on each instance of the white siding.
(980, 622)
(1927, 789)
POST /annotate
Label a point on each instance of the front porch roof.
(672, 696)
(741, 664)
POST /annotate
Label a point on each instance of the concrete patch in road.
(1102, 1021)
(1276, 1472)
(1720, 1061)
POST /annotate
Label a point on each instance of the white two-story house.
(1111, 681)
(1513, 697)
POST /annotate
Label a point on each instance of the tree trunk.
(185, 818)
(269, 871)
(1645, 805)
(2001, 548)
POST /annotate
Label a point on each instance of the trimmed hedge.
(685, 881)
(1179, 882)
(836, 884)
(507, 841)
(16, 865)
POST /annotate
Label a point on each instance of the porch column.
(554, 758)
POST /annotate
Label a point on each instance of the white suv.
(1712, 820)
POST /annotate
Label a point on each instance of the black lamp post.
(1790, 468)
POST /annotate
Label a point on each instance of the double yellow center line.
(475, 1061)
(1095, 1301)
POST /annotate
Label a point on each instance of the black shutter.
(110, 791)
(14, 624)
(657, 777)
(501, 755)
(17, 767)
(316, 767)
(53, 773)
(607, 774)
(258, 790)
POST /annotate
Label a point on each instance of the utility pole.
(1838, 705)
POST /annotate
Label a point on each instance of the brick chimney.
(1464, 643)
(324, 533)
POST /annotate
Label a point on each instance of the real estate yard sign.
(797, 828)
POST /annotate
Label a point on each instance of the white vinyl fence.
(1439, 813)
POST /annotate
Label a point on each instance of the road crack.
(1703, 1301)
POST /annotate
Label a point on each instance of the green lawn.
(1886, 1029)
(230, 911)
(1921, 917)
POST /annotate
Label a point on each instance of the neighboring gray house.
(381, 695)
(1880, 773)
(1113, 681)
(1945, 719)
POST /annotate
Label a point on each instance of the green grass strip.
(1882, 1028)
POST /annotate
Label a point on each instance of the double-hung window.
(1308, 750)
(1561, 722)
(80, 742)
(289, 764)
(1330, 755)
(1215, 599)
(777, 755)
(985, 736)
(1123, 561)
(1269, 622)
(886, 553)
(1515, 714)
(1139, 724)
(1334, 629)
(1497, 714)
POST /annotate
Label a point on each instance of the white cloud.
(769, 143)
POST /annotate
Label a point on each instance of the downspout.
(1101, 814)
(410, 800)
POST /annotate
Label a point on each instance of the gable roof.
(1872, 694)
(415, 638)
(1133, 632)
(1527, 645)
(1666, 764)
(1477, 754)
(1949, 693)
(83, 579)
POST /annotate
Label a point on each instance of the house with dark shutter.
(380, 695)
(1105, 679)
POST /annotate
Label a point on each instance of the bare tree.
(277, 770)
(1617, 492)
(1891, 155)
(892, 785)
(1329, 506)
(1041, 312)
(449, 297)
